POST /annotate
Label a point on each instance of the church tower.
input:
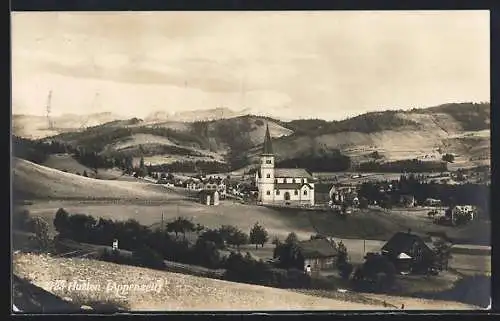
(266, 174)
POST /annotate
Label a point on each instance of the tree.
(291, 238)
(199, 228)
(142, 168)
(448, 158)
(342, 256)
(61, 221)
(213, 236)
(41, 229)
(85, 173)
(442, 250)
(238, 238)
(258, 235)
(180, 225)
(147, 257)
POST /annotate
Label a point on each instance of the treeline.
(324, 163)
(150, 247)
(366, 123)
(401, 166)
(35, 150)
(472, 116)
(207, 167)
(450, 195)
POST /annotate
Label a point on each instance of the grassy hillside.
(34, 181)
(182, 292)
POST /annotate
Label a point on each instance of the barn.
(319, 254)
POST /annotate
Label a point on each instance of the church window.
(277, 192)
(268, 176)
(268, 161)
(296, 192)
(293, 180)
(305, 192)
(302, 181)
(275, 181)
(268, 193)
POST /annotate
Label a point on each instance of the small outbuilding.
(209, 197)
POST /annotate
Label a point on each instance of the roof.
(317, 248)
(268, 147)
(404, 256)
(291, 185)
(292, 172)
(323, 188)
(401, 242)
(207, 192)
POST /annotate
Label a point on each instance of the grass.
(177, 291)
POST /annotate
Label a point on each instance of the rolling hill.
(33, 181)
(182, 292)
(425, 134)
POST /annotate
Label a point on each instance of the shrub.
(41, 228)
(146, 257)
(448, 158)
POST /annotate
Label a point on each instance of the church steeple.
(268, 147)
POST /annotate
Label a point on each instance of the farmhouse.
(282, 186)
(319, 254)
(408, 252)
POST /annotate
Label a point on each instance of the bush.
(448, 158)
(41, 229)
(146, 257)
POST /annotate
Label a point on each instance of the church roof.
(292, 173)
(268, 147)
(291, 185)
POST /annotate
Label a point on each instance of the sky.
(326, 64)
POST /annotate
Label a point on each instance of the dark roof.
(402, 242)
(323, 188)
(291, 185)
(292, 173)
(317, 248)
(207, 192)
(268, 147)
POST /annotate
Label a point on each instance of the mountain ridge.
(461, 129)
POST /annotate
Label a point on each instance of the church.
(282, 186)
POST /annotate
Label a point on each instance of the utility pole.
(49, 102)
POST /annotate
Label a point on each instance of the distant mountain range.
(222, 135)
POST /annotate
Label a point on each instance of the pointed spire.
(268, 147)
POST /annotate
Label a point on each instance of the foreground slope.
(31, 180)
(176, 291)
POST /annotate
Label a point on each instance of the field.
(40, 182)
(174, 291)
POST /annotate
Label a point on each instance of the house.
(318, 254)
(407, 200)
(282, 186)
(194, 184)
(408, 252)
(209, 197)
(344, 194)
(322, 193)
(461, 210)
(432, 202)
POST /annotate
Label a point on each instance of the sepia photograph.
(250, 161)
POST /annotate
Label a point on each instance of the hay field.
(167, 291)
(38, 182)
